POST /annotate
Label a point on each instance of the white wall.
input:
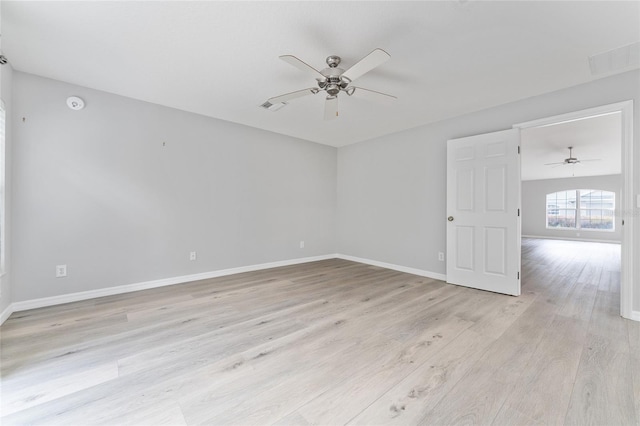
(98, 191)
(392, 190)
(6, 76)
(534, 207)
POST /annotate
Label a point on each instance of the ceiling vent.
(273, 107)
(615, 60)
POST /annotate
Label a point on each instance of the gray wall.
(534, 211)
(392, 190)
(6, 76)
(98, 191)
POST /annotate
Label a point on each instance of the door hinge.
(622, 222)
(518, 275)
(518, 212)
(518, 149)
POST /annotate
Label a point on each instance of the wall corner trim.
(6, 313)
(406, 269)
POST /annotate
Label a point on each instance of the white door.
(483, 212)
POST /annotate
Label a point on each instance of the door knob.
(450, 218)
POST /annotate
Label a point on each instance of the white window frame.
(578, 209)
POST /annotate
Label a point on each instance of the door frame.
(626, 207)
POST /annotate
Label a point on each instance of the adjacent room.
(317, 212)
(572, 192)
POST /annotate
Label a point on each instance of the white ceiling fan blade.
(555, 164)
(293, 95)
(331, 108)
(371, 94)
(303, 66)
(366, 64)
(594, 159)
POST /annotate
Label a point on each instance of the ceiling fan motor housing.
(333, 82)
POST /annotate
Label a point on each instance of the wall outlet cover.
(61, 271)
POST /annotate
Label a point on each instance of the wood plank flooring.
(336, 342)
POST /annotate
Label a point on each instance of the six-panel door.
(483, 201)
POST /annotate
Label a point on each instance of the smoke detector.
(75, 103)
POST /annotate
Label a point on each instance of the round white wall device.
(75, 103)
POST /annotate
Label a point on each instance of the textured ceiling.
(220, 59)
(598, 138)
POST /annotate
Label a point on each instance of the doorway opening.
(583, 194)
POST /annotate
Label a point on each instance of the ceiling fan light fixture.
(332, 89)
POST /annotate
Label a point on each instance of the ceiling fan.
(571, 160)
(333, 80)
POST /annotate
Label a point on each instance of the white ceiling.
(597, 138)
(220, 59)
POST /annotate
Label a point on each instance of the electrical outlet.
(441, 256)
(193, 255)
(61, 271)
(301, 244)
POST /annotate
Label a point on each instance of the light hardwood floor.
(336, 342)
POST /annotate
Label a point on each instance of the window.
(581, 209)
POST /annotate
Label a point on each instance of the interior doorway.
(568, 193)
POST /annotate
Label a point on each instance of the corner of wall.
(6, 94)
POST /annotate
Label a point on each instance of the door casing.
(627, 203)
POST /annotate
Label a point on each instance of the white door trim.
(628, 200)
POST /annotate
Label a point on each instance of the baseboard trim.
(84, 295)
(586, 240)
(399, 268)
(635, 316)
(128, 288)
(6, 313)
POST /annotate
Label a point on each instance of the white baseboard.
(128, 288)
(6, 313)
(586, 240)
(400, 268)
(84, 295)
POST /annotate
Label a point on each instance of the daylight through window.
(591, 209)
